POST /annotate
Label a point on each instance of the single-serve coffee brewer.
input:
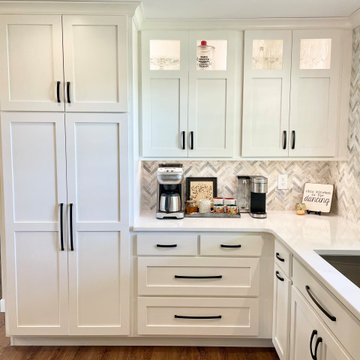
(258, 190)
(170, 204)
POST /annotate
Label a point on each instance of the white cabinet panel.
(31, 62)
(34, 178)
(314, 94)
(198, 276)
(95, 53)
(99, 262)
(281, 314)
(176, 316)
(266, 93)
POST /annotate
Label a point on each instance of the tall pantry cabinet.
(65, 166)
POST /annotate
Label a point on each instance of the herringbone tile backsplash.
(226, 171)
(344, 175)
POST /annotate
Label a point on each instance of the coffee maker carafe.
(258, 188)
(170, 191)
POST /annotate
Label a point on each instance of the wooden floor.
(8, 352)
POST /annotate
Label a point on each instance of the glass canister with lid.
(243, 194)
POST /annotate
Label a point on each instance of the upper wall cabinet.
(188, 93)
(291, 81)
(94, 49)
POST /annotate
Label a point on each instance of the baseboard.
(2, 305)
(137, 341)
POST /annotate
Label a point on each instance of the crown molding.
(355, 18)
(69, 7)
(139, 16)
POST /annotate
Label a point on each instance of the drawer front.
(198, 276)
(231, 245)
(283, 258)
(346, 328)
(198, 316)
(166, 244)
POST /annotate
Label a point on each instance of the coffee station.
(174, 203)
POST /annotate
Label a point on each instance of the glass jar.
(190, 207)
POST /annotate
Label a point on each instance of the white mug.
(204, 206)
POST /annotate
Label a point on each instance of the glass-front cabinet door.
(267, 64)
(315, 79)
(188, 81)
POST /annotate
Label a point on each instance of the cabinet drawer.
(166, 244)
(198, 276)
(231, 245)
(346, 327)
(198, 316)
(283, 258)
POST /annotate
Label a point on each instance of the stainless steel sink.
(347, 262)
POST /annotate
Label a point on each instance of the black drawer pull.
(197, 317)
(58, 92)
(183, 140)
(68, 92)
(166, 246)
(317, 303)
(311, 342)
(191, 140)
(197, 277)
(279, 258)
(71, 228)
(278, 276)
(318, 341)
(293, 140)
(230, 246)
(62, 226)
(284, 139)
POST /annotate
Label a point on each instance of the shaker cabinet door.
(95, 56)
(31, 63)
(98, 217)
(267, 64)
(34, 180)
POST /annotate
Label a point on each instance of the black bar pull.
(197, 317)
(62, 227)
(284, 139)
(198, 277)
(317, 303)
(318, 341)
(191, 140)
(71, 228)
(227, 246)
(278, 276)
(183, 140)
(293, 140)
(311, 344)
(68, 92)
(166, 246)
(279, 258)
(58, 92)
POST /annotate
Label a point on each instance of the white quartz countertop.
(301, 234)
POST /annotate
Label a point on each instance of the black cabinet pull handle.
(279, 257)
(284, 139)
(58, 92)
(278, 276)
(191, 140)
(311, 342)
(197, 317)
(293, 140)
(68, 92)
(71, 228)
(230, 246)
(317, 303)
(62, 227)
(197, 277)
(166, 246)
(183, 140)
(318, 341)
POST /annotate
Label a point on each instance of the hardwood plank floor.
(8, 352)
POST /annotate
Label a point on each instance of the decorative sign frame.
(318, 197)
(199, 188)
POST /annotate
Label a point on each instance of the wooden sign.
(318, 197)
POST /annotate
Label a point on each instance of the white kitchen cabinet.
(92, 78)
(267, 66)
(187, 111)
(291, 103)
(66, 223)
(310, 338)
(31, 62)
(281, 314)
